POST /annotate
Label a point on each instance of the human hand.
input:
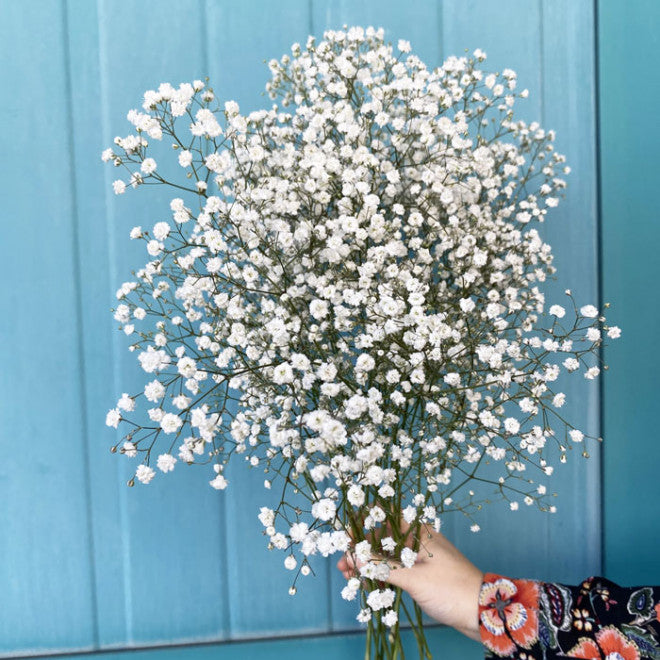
(443, 581)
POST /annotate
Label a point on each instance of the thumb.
(399, 576)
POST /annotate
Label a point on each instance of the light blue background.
(88, 564)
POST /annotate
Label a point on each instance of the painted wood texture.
(629, 143)
(88, 563)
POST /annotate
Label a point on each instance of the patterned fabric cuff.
(508, 614)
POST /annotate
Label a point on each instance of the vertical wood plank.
(545, 43)
(420, 22)
(43, 517)
(96, 330)
(171, 530)
(240, 38)
(569, 108)
(629, 143)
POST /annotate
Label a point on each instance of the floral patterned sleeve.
(599, 620)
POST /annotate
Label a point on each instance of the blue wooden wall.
(629, 96)
(87, 563)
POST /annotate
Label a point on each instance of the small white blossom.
(153, 360)
(589, 311)
(144, 473)
(154, 391)
(390, 618)
(187, 367)
(126, 403)
(408, 557)
(576, 436)
(388, 544)
(218, 482)
(591, 373)
(324, 509)
(266, 516)
(363, 551)
(298, 532)
(593, 334)
(558, 311)
(129, 449)
(379, 599)
(364, 615)
(355, 495)
(148, 166)
(185, 158)
(410, 514)
(467, 304)
(113, 418)
(558, 400)
(511, 425)
(283, 373)
(318, 309)
(365, 363)
(166, 462)
(161, 231)
(170, 423)
(350, 591)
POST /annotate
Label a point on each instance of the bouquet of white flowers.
(348, 295)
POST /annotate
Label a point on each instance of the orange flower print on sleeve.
(508, 614)
(657, 612)
(609, 643)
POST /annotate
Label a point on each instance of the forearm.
(594, 619)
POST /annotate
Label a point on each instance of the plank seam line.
(101, 11)
(599, 271)
(80, 317)
(226, 622)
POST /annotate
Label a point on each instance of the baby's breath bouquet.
(348, 295)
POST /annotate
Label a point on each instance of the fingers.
(350, 567)
(400, 576)
(346, 566)
(422, 536)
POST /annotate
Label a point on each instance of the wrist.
(469, 624)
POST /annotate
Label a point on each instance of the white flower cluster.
(349, 296)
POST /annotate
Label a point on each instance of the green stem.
(417, 627)
(422, 637)
(367, 651)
